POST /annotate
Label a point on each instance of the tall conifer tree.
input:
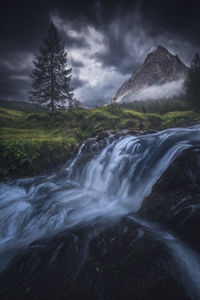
(50, 76)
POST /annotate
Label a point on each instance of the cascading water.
(109, 185)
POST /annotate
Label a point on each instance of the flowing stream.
(111, 183)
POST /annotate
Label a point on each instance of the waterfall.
(110, 184)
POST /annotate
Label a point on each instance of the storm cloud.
(106, 41)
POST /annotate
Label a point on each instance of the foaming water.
(110, 184)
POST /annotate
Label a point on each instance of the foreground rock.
(122, 262)
(175, 199)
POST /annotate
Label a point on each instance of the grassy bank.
(31, 142)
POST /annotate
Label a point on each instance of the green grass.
(179, 119)
(30, 142)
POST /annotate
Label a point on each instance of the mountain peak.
(161, 48)
(159, 67)
(160, 53)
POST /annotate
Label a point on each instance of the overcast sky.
(105, 40)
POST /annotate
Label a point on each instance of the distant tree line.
(162, 106)
(192, 84)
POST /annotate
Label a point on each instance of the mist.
(166, 90)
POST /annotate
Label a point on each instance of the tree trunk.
(52, 106)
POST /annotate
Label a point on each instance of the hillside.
(30, 143)
(22, 106)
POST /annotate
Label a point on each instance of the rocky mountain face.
(160, 67)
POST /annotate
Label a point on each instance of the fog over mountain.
(165, 90)
(106, 41)
(160, 76)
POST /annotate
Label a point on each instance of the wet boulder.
(120, 262)
(175, 198)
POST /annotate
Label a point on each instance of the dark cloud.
(125, 32)
(78, 83)
(117, 52)
(15, 76)
(76, 63)
(178, 17)
(12, 85)
(22, 24)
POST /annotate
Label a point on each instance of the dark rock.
(131, 263)
(121, 262)
(175, 199)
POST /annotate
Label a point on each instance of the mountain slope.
(159, 68)
(22, 106)
(32, 107)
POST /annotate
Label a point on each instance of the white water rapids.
(111, 184)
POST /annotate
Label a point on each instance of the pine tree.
(192, 84)
(50, 76)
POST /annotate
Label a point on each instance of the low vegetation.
(160, 106)
(31, 142)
